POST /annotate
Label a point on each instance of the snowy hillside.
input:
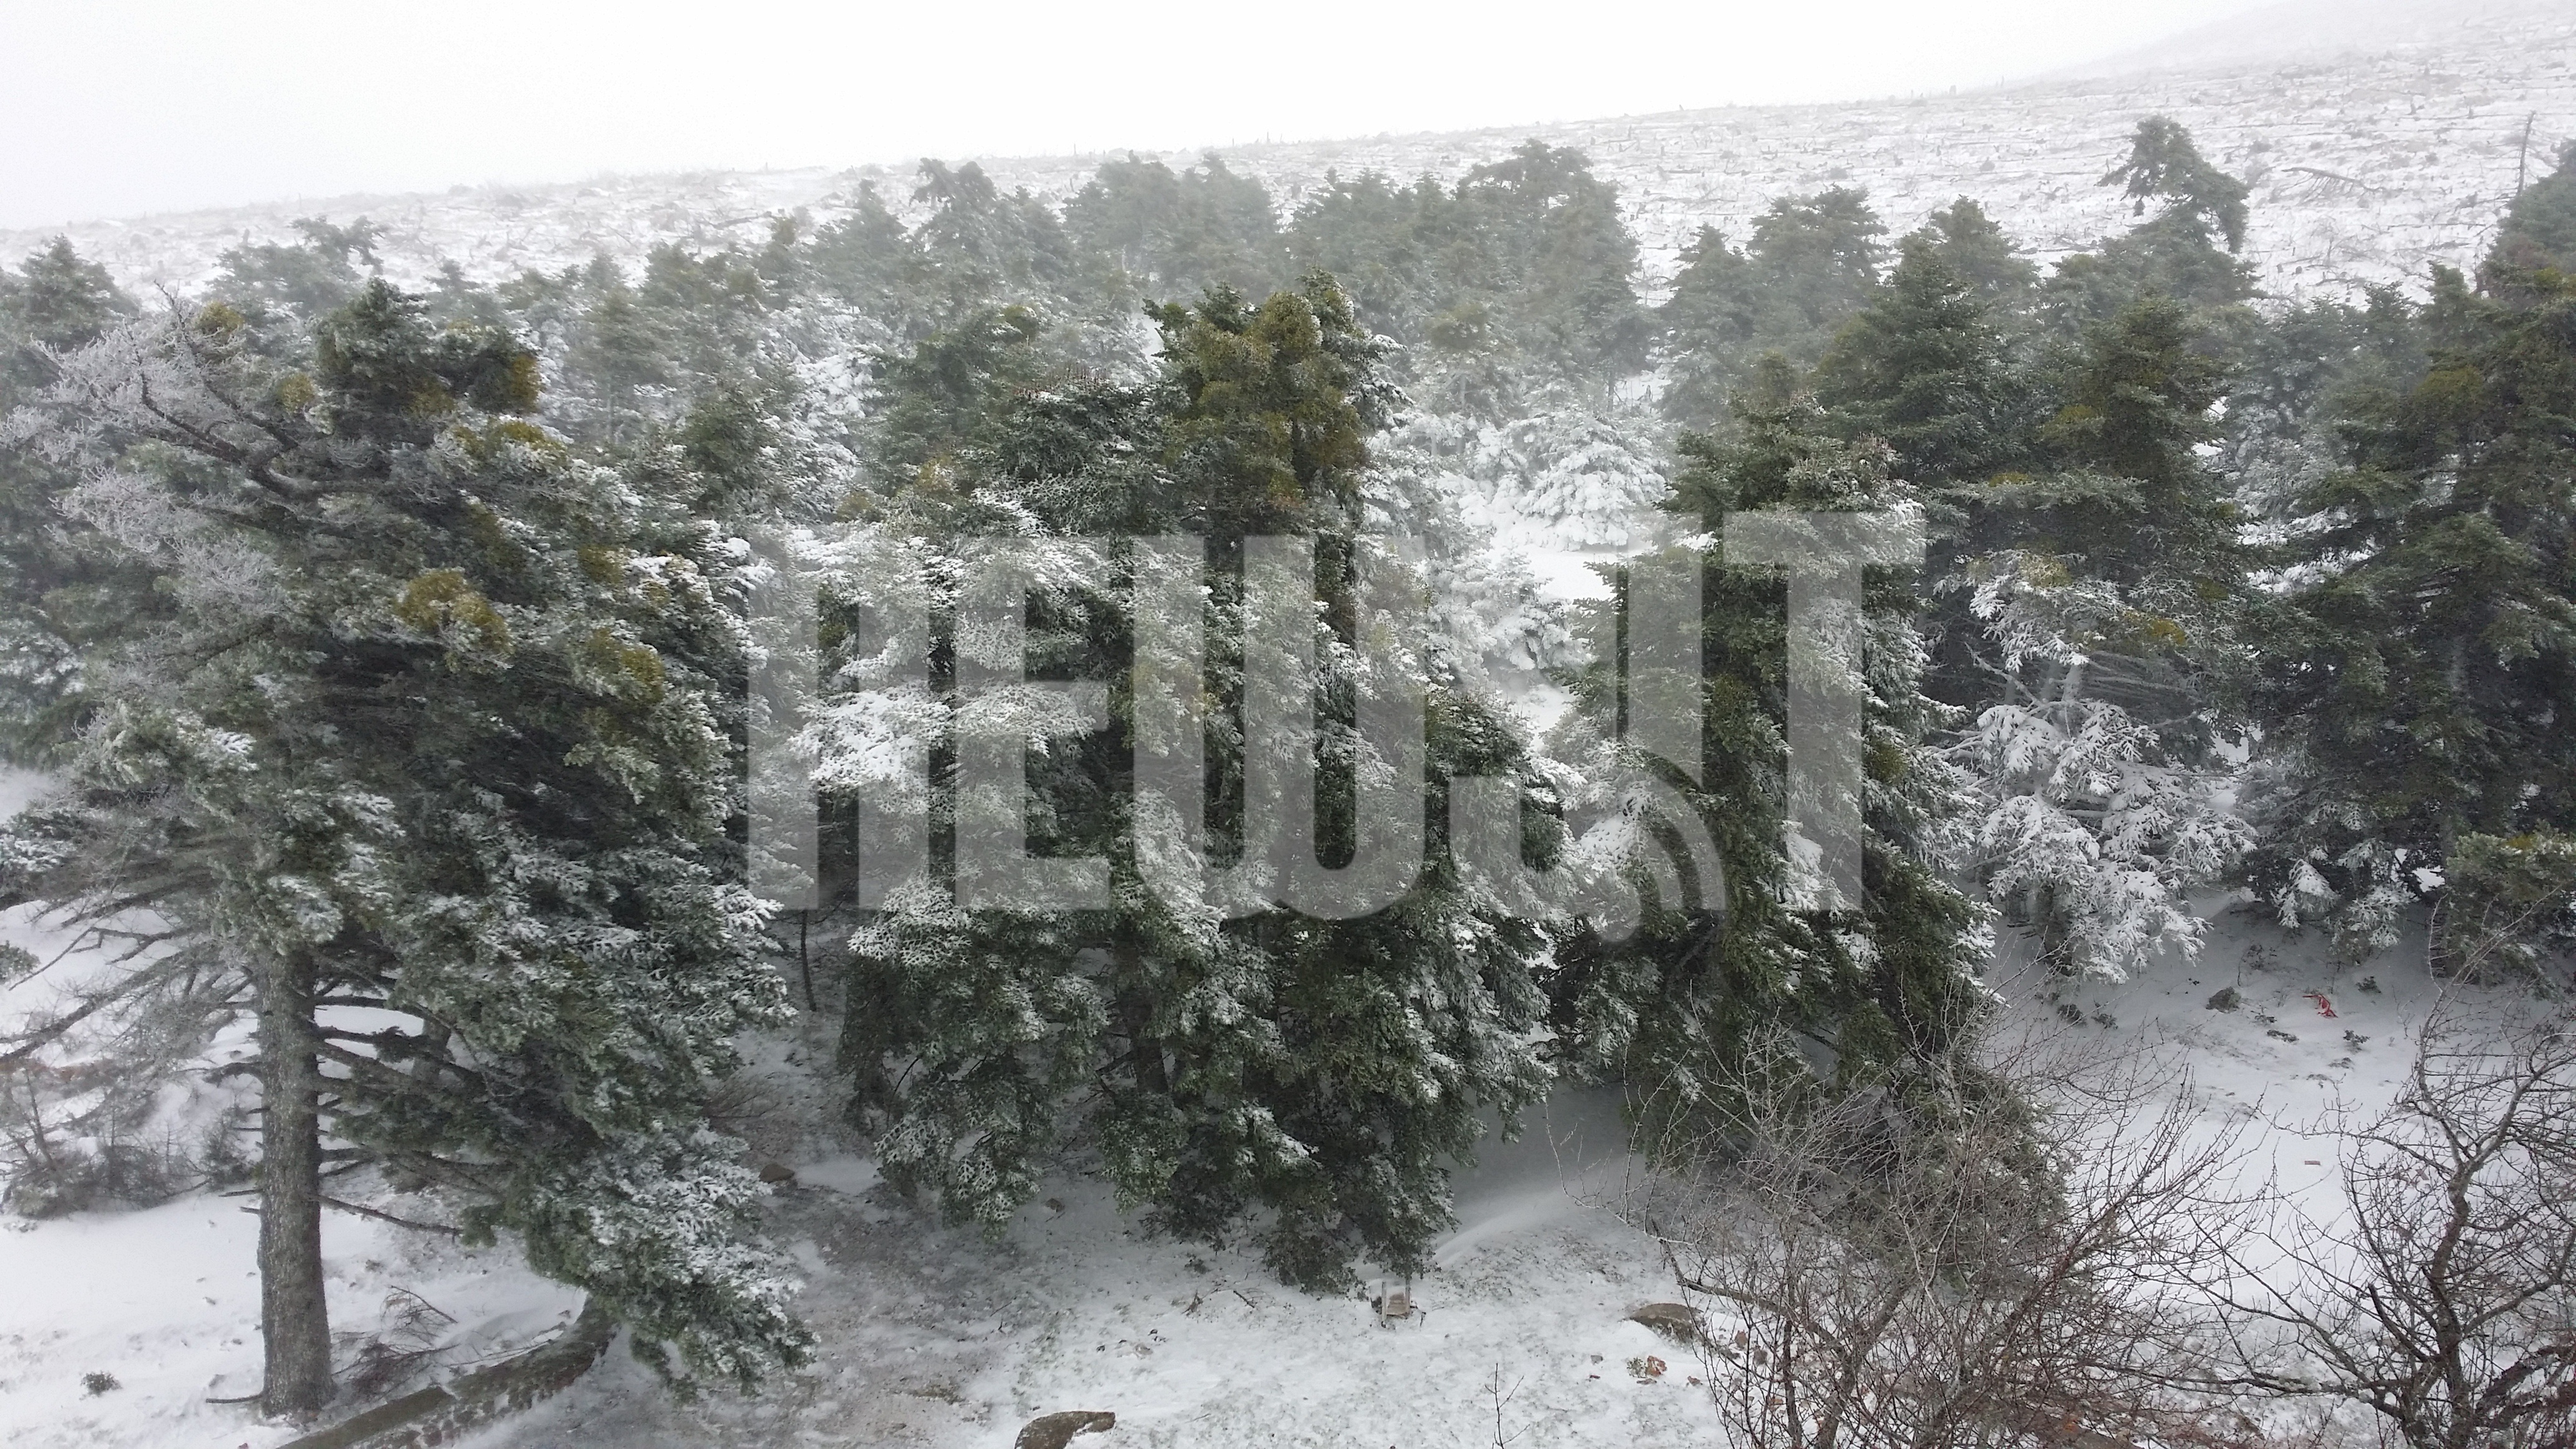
(2372, 146)
(2373, 142)
(934, 1339)
(937, 1341)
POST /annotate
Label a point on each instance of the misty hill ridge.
(2375, 140)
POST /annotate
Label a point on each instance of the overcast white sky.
(121, 107)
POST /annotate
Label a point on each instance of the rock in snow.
(1054, 1431)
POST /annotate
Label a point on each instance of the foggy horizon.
(161, 111)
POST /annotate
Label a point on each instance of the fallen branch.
(2332, 176)
(364, 1212)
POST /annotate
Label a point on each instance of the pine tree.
(1313, 1071)
(79, 1142)
(437, 730)
(1811, 263)
(2137, 409)
(52, 592)
(2164, 165)
(2187, 251)
(301, 281)
(1925, 369)
(2413, 691)
(864, 259)
(621, 350)
(2075, 554)
(2109, 590)
(713, 308)
(1675, 1010)
(1819, 254)
(2301, 371)
(2539, 230)
(1179, 235)
(937, 399)
(1560, 262)
(1519, 278)
(1380, 241)
(1928, 370)
(1976, 247)
(1711, 323)
(979, 247)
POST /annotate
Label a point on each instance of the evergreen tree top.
(2164, 164)
(2539, 232)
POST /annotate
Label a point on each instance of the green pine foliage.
(862, 258)
(299, 281)
(1308, 1081)
(2417, 677)
(1712, 324)
(1520, 276)
(2165, 166)
(1176, 236)
(1811, 263)
(54, 592)
(2113, 661)
(1929, 370)
(1976, 247)
(1926, 369)
(2089, 611)
(2539, 232)
(2186, 251)
(438, 726)
(1676, 1011)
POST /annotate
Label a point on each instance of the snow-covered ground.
(933, 1337)
(165, 1301)
(2306, 1040)
(937, 1338)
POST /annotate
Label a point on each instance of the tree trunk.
(1136, 1010)
(294, 1316)
(805, 956)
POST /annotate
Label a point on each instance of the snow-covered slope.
(165, 1303)
(940, 1340)
(943, 1341)
(937, 1338)
(2309, 30)
(2374, 144)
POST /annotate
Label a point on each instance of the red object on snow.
(2324, 1007)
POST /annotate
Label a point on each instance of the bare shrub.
(751, 1107)
(1955, 1254)
(2440, 1293)
(73, 1138)
(81, 1073)
(409, 1341)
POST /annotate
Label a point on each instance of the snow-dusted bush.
(2089, 829)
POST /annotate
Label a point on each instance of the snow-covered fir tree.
(2087, 617)
(419, 758)
(1670, 1009)
(1254, 1068)
(2421, 668)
